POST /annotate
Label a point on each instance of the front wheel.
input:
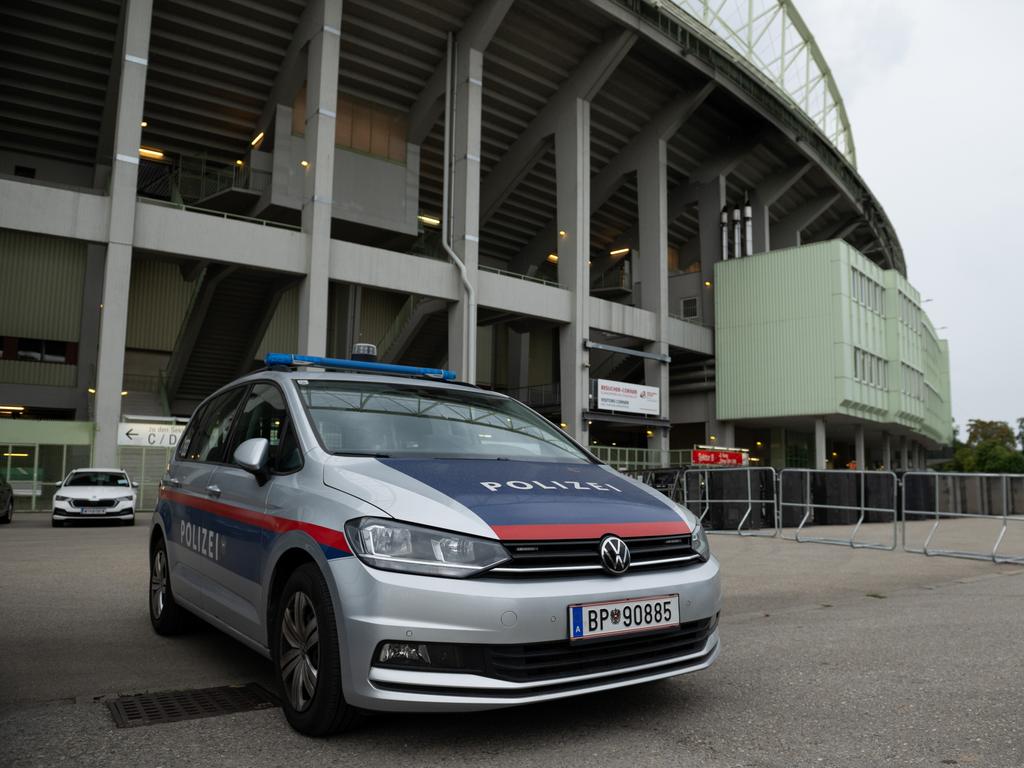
(167, 617)
(307, 656)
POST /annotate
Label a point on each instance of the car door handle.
(173, 482)
(213, 490)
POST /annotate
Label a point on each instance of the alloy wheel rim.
(158, 584)
(300, 651)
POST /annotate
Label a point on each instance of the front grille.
(90, 503)
(562, 658)
(539, 559)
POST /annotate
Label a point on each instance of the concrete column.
(518, 359)
(572, 171)
(761, 222)
(89, 327)
(904, 454)
(819, 444)
(727, 437)
(887, 451)
(465, 190)
(118, 268)
(318, 190)
(710, 199)
(859, 453)
(652, 204)
(778, 448)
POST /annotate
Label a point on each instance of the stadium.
(643, 218)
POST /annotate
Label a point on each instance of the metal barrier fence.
(839, 497)
(736, 500)
(963, 496)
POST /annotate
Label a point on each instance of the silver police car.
(393, 540)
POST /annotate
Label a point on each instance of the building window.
(866, 291)
(869, 369)
(690, 309)
(360, 125)
(37, 350)
(24, 171)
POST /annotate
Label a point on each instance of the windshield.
(115, 479)
(384, 420)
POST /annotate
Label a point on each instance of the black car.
(6, 501)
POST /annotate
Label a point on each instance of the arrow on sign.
(130, 434)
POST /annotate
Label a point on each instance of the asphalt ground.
(831, 657)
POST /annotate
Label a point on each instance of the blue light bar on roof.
(279, 358)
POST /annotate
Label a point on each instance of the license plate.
(93, 511)
(620, 617)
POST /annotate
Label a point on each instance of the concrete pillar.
(572, 171)
(887, 451)
(777, 456)
(710, 199)
(820, 452)
(118, 268)
(89, 327)
(318, 190)
(727, 434)
(761, 222)
(860, 455)
(465, 200)
(652, 204)
(518, 360)
(904, 454)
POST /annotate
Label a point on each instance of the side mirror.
(135, 483)
(253, 455)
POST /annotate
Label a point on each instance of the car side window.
(264, 414)
(211, 437)
(190, 432)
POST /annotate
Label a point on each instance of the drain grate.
(174, 706)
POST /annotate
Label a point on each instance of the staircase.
(419, 334)
(224, 327)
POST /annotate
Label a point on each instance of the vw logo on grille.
(614, 555)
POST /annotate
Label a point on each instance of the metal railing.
(940, 496)
(867, 493)
(517, 275)
(623, 458)
(221, 214)
(733, 500)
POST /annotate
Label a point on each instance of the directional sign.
(149, 435)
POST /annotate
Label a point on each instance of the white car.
(95, 493)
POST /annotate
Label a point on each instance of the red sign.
(718, 458)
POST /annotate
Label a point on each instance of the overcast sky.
(934, 92)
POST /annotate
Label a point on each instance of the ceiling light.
(619, 252)
(153, 154)
(257, 140)
(17, 455)
(304, 163)
(707, 283)
(430, 221)
(650, 433)
(143, 124)
(553, 258)
(124, 393)
(758, 443)
(239, 162)
(563, 234)
(91, 390)
(563, 425)
(12, 407)
(712, 438)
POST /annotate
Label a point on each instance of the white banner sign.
(149, 435)
(630, 398)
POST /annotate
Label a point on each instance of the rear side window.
(209, 443)
(190, 432)
(264, 414)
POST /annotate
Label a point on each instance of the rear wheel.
(167, 617)
(307, 656)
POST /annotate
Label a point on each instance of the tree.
(980, 431)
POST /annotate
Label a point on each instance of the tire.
(304, 644)
(167, 617)
(128, 522)
(57, 523)
(9, 516)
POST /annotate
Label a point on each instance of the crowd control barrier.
(838, 497)
(736, 500)
(959, 496)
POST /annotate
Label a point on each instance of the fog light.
(436, 656)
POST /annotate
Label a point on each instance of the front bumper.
(380, 606)
(62, 511)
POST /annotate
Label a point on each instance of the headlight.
(124, 498)
(396, 546)
(58, 497)
(699, 539)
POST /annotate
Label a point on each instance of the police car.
(393, 540)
